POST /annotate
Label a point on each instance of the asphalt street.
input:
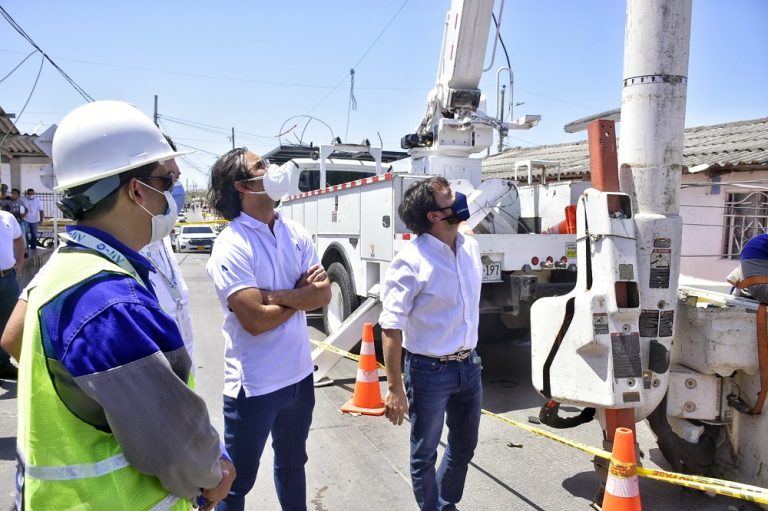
(362, 462)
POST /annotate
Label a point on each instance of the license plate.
(492, 272)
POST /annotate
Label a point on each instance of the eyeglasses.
(167, 180)
(262, 164)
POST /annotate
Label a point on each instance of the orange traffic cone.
(622, 491)
(367, 397)
(567, 226)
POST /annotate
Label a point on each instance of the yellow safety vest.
(68, 463)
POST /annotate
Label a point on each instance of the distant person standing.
(431, 307)
(4, 192)
(17, 208)
(11, 264)
(34, 216)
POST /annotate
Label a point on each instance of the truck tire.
(342, 298)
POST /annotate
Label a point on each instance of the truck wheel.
(342, 298)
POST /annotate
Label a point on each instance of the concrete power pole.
(155, 116)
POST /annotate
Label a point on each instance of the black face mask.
(459, 208)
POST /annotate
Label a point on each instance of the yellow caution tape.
(708, 484)
(340, 352)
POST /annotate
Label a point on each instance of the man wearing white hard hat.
(106, 418)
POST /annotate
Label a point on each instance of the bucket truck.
(626, 341)
(357, 230)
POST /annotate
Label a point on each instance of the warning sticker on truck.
(666, 322)
(649, 323)
(626, 355)
(570, 250)
(626, 272)
(661, 260)
(600, 323)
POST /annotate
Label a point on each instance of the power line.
(17, 66)
(34, 85)
(193, 166)
(225, 78)
(197, 149)
(23, 34)
(210, 127)
(183, 157)
(365, 54)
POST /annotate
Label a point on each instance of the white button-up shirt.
(170, 288)
(246, 254)
(9, 231)
(433, 296)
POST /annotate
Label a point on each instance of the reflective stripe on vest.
(166, 504)
(68, 472)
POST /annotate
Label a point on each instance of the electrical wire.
(210, 127)
(182, 157)
(309, 118)
(17, 66)
(34, 86)
(224, 78)
(193, 166)
(365, 54)
(197, 149)
(26, 36)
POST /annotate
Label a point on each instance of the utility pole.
(233, 137)
(155, 116)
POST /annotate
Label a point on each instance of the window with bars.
(746, 216)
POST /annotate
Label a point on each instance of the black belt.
(459, 356)
(4, 273)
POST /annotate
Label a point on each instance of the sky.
(261, 67)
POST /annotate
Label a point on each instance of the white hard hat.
(103, 139)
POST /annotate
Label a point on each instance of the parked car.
(182, 217)
(194, 238)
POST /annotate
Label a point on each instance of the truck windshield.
(200, 229)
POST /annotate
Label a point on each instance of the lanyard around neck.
(173, 285)
(88, 241)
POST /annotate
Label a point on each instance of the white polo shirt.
(247, 254)
(9, 231)
(170, 289)
(433, 296)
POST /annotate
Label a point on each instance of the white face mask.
(277, 182)
(162, 225)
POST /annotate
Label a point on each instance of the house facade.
(22, 163)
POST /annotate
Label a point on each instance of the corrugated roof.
(16, 144)
(727, 146)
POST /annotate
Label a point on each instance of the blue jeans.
(442, 391)
(30, 234)
(9, 295)
(248, 421)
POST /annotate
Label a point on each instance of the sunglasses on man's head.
(166, 182)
